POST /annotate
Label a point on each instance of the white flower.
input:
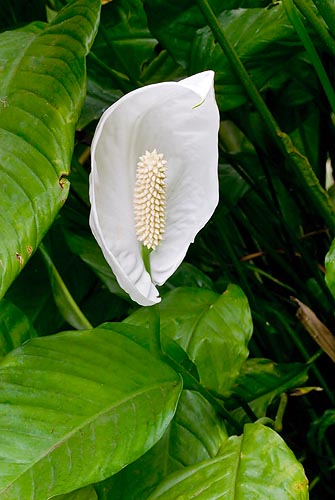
(154, 179)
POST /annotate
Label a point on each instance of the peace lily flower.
(154, 180)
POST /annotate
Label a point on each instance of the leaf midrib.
(84, 424)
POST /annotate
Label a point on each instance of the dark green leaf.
(98, 99)
(261, 380)
(89, 251)
(17, 12)
(124, 41)
(15, 327)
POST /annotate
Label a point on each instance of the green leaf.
(213, 329)
(262, 37)
(98, 99)
(195, 434)
(15, 327)
(31, 292)
(256, 465)
(76, 408)
(42, 87)
(143, 337)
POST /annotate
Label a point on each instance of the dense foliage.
(236, 399)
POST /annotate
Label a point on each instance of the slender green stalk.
(238, 68)
(153, 311)
(309, 180)
(280, 412)
(146, 258)
(246, 408)
(63, 298)
(308, 44)
(317, 23)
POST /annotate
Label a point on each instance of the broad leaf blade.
(256, 465)
(77, 407)
(213, 329)
(195, 434)
(42, 87)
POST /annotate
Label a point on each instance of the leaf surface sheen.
(77, 407)
(254, 466)
(213, 329)
(195, 434)
(42, 88)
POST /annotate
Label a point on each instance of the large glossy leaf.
(195, 434)
(15, 327)
(42, 87)
(77, 407)
(213, 329)
(257, 465)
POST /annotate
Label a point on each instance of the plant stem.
(302, 32)
(278, 427)
(238, 67)
(155, 327)
(66, 304)
(309, 180)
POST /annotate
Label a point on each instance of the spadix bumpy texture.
(154, 179)
(149, 199)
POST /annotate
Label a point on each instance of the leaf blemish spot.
(29, 250)
(4, 102)
(19, 258)
(62, 181)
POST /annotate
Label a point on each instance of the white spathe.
(180, 120)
